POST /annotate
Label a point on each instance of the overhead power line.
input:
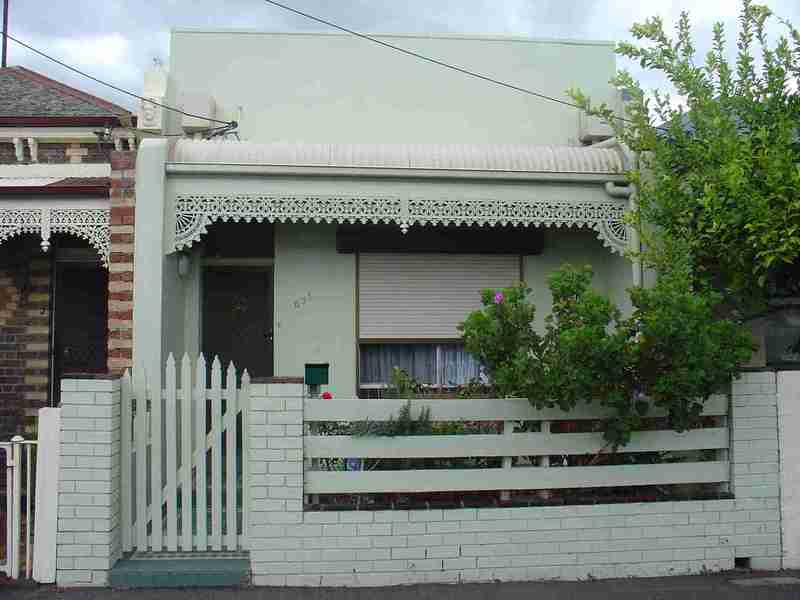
(231, 124)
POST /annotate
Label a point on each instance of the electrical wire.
(114, 87)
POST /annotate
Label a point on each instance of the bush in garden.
(673, 352)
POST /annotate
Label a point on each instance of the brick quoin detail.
(120, 279)
(24, 343)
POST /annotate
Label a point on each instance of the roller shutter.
(425, 296)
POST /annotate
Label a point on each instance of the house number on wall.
(300, 302)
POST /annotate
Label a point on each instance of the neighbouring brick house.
(66, 235)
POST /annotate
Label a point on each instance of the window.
(435, 364)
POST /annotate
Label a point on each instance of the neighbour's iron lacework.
(90, 224)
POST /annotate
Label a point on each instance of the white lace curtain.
(433, 363)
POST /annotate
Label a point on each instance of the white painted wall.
(612, 273)
(322, 329)
(149, 259)
(192, 321)
(48, 466)
(317, 87)
(315, 305)
(174, 308)
(789, 425)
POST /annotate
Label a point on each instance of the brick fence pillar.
(789, 425)
(120, 279)
(756, 469)
(89, 535)
(275, 480)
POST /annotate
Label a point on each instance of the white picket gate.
(184, 471)
(19, 465)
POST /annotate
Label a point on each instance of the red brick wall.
(7, 155)
(24, 345)
(120, 279)
(97, 153)
(52, 153)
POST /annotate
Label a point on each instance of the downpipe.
(629, 192)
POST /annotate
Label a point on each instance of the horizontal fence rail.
(514, 409)
(183, 472)
(538, 446)
(515, 444)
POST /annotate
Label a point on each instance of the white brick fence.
(292, 546)
(289, 546)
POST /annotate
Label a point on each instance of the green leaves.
(721, 175)
(718, 180)
(672, 352)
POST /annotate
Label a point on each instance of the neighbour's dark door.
(80, 320)
(237, 318)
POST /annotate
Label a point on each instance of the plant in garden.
(405, 423)
(721, 169)
(403, 385)
(670, 353)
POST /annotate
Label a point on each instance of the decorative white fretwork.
(195, 212)
(90, 224)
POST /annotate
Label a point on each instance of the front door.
(80, 320)
(237, 318)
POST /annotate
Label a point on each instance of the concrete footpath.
(751, 586)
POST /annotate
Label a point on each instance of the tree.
(721, 170)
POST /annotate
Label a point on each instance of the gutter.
(182, 168)
(93, 121)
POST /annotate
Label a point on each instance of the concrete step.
(182, 571)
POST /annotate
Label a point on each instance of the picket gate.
(19, 462)
(184, 471)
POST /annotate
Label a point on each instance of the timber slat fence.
(508, 445)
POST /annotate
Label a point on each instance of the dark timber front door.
(80, 320)
(237, 319)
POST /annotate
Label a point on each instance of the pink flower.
(498, 297)
(326, 395)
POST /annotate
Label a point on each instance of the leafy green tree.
(720, 170)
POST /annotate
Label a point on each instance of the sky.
(116, 40)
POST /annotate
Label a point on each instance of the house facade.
(368, 199)
(57, 145)
(349, 229)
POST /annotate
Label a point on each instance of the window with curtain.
(436, 364)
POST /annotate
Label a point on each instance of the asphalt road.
(772, 586)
